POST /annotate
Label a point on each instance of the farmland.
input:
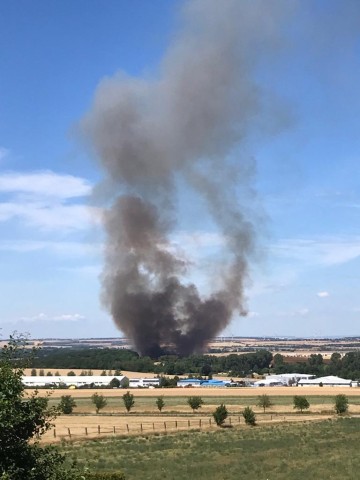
(177, 415)
(325, 449)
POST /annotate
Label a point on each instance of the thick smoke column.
(188, 123)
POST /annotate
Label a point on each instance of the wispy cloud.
(47, 201)
(326, 251)
(44, 183)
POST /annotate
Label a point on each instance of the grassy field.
(314, 450)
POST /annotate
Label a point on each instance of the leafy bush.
(301, 403)
(67, 404)
(129, 402)
(220, 414)
(99, 401)
(341, 404)
(249, 416)
(195, 402)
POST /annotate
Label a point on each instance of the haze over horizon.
(303, 155)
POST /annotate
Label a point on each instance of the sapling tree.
(129, 401)
(301, 403)
(67, 404)
(99, 401)
(264, 402)
(341, 404)
(220, 415)
(249, 416)
(160, 403)
(195, 402)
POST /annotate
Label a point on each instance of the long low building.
(72, 381)
(330, 381)
(195, 382)
(144, 382)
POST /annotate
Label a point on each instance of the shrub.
(160, 403)
(129, 402)
(341, 404)
(301, 403)
(99, 401)
(195, 402)
(249, 416)
(220, 415)
(67, 404)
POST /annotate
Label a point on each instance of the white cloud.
(323, 294)
(44, 183)
(45, 200)
(326, 251)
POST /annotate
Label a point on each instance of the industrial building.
(330, 381)
(144, 382)
(73, 381)
(283, 380)
(195, 382)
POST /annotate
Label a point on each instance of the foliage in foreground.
(24, 419)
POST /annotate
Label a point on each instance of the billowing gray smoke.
(189, 124)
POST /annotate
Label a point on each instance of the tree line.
(240, 365)
(347, 366)
(118, 360)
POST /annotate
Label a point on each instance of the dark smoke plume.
(188, 123)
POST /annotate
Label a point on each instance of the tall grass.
(318, 450)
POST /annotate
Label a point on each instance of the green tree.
(33, 372)
(249, 416)
(99, 401)
(301, 403)
(71, 374)
(341, 404)
(220, 415)
(67, 404)
(160, 403)
(195, 402)
(49, 374)
(23, 419)
(264, 402)
(129, 402)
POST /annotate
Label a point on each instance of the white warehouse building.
(73, 381)
(330, 381)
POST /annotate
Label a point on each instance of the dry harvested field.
(209, 392)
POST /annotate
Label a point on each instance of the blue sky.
(53, 56)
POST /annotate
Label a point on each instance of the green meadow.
(308, 450)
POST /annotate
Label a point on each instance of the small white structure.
(144, 382)
(289, 378)
(73, 381)
(330, 381)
